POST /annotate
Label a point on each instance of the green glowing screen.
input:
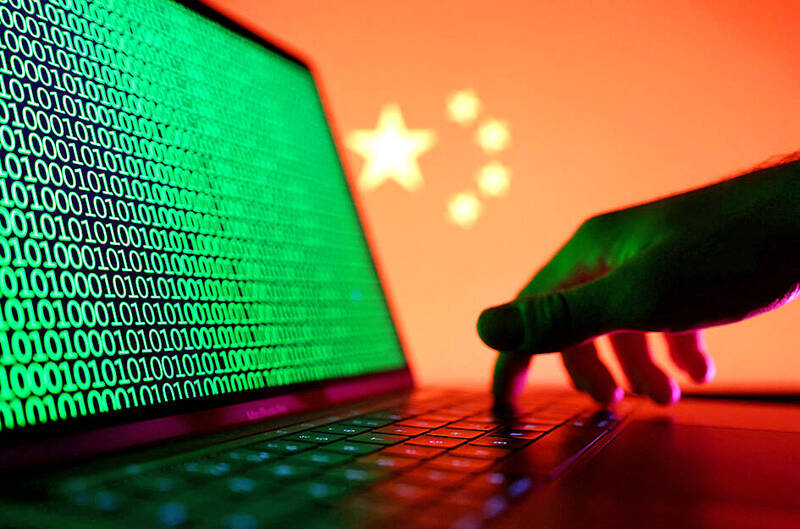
(174, 222)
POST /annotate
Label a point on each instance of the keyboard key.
(380, 438)
(389, 462)
(281, 445)
(537, 418)
(500, 442)
(471, 425)
(460, 464)
(406, 493)
(443, 417)
(480, 452)
(421, 423)
(401, 430)
(153, 483)
(391, 415)
(498, 481)
(413, 451)
(434, 477)
(435, 441)
(285, 470)
(488, 418)
(240, 455)
(314, 437)
(368, 422)
(351, 447)
(208, 468)
(342, 429)
(532, 426)
(357, 473)
(517, 434)
(456, 433)
(320, 457)
(322, 489)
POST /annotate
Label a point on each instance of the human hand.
(715, 255)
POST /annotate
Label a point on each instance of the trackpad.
(660, 474)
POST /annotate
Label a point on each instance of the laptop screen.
(176, 231)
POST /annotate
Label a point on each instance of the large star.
(390, 151)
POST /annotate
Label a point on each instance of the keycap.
(480, 452)
(357, 473)
(391, 415)
(547, 416)
(343, 429)
(285, 470)
(517, 434)
(500, 481)
(368, 422)
(434, 477)
(407, 493)
(281, 445)
(401, 430)
(421, 423)
(532, 426)
(443, 417)
(413, 451)
(240, 455)
(460, 464)
(551, 454)
(314, 437)
(320, 457)
(351, 447)
(153, 483)
(389, 461)
(437, 442)
(447, 431)
(380, 438)
(202, 467)
(500, 442)
(472, 425)
(321, 489)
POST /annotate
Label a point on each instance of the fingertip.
(502, 327)
(608, 395)
(706, 372)
(668, 395)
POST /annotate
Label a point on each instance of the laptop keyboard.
(434, 461)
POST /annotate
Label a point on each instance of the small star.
(464, 209)
(493, 135)
(494, 179)
(390, 151)
(463, 107)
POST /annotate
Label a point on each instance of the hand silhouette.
(714, 255)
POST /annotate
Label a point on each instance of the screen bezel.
(97, 435)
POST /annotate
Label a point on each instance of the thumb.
(551, 322)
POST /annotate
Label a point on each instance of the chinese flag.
(479, 135)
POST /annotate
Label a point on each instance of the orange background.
(609, 103)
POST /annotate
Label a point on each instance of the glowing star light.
(464, 209)
(494, 179)
(390, 151)
(463, 107)
(493, 135)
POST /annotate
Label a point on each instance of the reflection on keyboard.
(432, 460)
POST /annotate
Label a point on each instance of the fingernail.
(502, 327)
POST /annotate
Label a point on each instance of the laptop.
(195, 333)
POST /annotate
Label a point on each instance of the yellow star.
(390, 151)
(494, 179)
(493, 135)
(464, 209)
(463, 107)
